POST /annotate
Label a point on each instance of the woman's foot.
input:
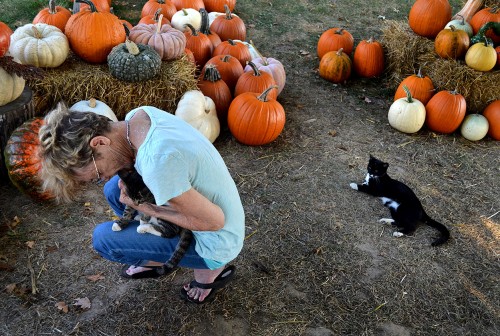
(206, 283)
(141, 272)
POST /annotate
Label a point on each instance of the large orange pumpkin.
(199, 44)
(492, 113)
(22, 161)
(234, 48)
(92, 34)
(255, 81)
(167, 7)
(229, 26)
(53, 15)
(428, 17)
(254, 119)
(335, 66)
(368, 60)
(452, 43)
(212, 85)
(229, 67)
(420, 86)
(445, 111)
(333, 39)
(484, 16)
(5, 33)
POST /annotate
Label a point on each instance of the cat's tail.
(186, 236)
(445, 233)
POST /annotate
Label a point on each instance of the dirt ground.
(316, 262)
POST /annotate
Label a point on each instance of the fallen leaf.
(87, 204)
(332, 133)
(30, 244)
(10, 288)
(304, 52)
(62, 306)
(52, 248)
(367, 100)
(83, 303)
(15, 222)
(6, 267)
(95, 277)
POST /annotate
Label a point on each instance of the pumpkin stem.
(211, 73)
(205, 27)
(340, 51)
(36, 32)
(193, 29)
(52, 7)
(132, 48)
(370, 40)
(226, 58)
(92, 102)
(256, 71)
(231, 42)
(93, 8)
(228, 12)
(263, 95)
(453, 29)
(409, 98)
(157, 15)
(158, 24)
(264, 59)
(339, 31)
(184, 11)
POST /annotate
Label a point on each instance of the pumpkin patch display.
(235, 49)
(474, 127)
(88, 43)
(5, 33)
(368, 60)
(229, 68)
(255, 81)
(334, 39)
(169, 42)
(218, 5)
(53, 15)
(184, 17)
(22, 161)
(255, 119)
(167, 8)
(229, 26)
(335, 66)
(199, 111)
(212, 85)
(40, 44)
(445, 111)
(492, 113)
(133, 62)
(481, 56)
(407, 114)
(452, 43)
(428, 17)
(95, 106)
(420, 86)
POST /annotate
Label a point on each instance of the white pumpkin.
(199, 111)
(40, 44)
(407, 114)
(474, 127)
(213, 15)
(186, 15)
(96, 106)
(12, 87)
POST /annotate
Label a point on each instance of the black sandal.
(220, 282)
(153, 272)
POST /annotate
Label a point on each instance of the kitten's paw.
(386, 220)
(398, 234)
(116, 227)
(353, 186)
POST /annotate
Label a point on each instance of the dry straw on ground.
(77, 80)
(406, 52)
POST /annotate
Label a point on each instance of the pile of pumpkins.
(237, 86)
(470, 38)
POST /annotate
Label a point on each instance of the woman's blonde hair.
(65, 146)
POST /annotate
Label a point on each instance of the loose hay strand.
(77, 80)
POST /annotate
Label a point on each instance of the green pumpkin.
(134, 62)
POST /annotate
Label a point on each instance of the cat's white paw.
(116, 227)
(386, 220)
(353, 186)
(398, 234)
(147, 228)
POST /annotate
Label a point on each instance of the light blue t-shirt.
(176, 157)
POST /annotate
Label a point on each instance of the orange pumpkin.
(255, 119)
(101, 5)
(126, 23)
(5, 33)
(88, 43)
(236, 49)
(255, 81)
(212, 85)
(428, 17)
(484, 16)
(229, 26)
(53, 15)
(195, 4)
(420, 86)
(452, 43)
(153, 19)
(22, 161)
(497, 49)
(368, 60)
(229, 67)
(167, 7)
(333, 39)
(445, 111)
(218, 5)
(335, 66)
(492, 113)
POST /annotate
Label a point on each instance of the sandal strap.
(220, 281)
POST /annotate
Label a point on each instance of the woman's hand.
(124, 198)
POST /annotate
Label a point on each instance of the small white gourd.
(96, 106)
(407, 114)
(184, 16)
(474, 127)
(199, 111)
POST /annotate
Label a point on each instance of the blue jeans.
(132, 248)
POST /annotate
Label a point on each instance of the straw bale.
(76, 80)
(406, 52)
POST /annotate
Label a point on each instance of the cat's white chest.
(390, 203)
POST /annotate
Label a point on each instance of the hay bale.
(406, 52)
(77, 80)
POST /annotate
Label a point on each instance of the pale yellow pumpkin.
(12, 87)
(40, 44)
(474, 127)
(407, 114)
(184, 16)
(199, 111)
(481, 56)
(96, 106)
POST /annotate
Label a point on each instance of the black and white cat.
(139, 193)
(406, 209)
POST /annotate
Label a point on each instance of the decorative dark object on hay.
(133, 62)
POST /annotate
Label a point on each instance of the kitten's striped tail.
(185, 238)
(445, 234)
